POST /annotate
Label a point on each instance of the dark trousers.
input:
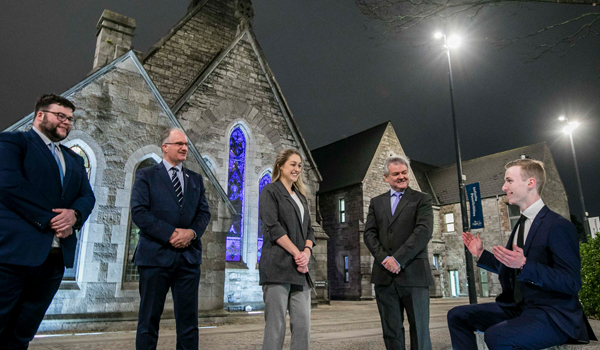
(25, 294)
(183, 279)
(392, 300)
(505, 328)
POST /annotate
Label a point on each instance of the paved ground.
(343, 325)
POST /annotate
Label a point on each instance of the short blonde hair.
(282, 157)
(531, 168)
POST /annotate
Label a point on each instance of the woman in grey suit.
(287, 247)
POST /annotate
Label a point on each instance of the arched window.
(131, 272)
(266, 179)
(86, 160)
(235, 192)
(72, 272)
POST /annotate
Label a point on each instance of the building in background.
(352, 171)
(207, 75)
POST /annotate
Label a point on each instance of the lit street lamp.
(568, 129)
(451, 43)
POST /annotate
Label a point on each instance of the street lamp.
(568, 129)
(451, 43)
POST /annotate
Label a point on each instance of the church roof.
(487, 170)
(205, 64)
(346, 162)
(129, 61)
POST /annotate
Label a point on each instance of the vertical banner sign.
(476, 207)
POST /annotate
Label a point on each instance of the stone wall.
(554, 194)
(237, 93)
(496, 232)
(347, 239)
(344, 240)
(119, 123)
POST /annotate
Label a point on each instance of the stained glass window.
(235, 192)
(131, 271)
(266, 179)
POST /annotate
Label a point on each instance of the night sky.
(341, 73)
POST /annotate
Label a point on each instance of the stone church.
(349, 183)
(208, 76)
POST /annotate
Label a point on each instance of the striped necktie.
(177, 185)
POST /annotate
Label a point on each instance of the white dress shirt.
(531, 212)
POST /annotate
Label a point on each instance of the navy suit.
(550, 313)
(30, 188)
(155, 210)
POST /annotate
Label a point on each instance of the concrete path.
(346, 325)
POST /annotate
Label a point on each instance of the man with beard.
(399, 226)
(44, 196)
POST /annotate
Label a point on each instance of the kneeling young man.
(539, 270)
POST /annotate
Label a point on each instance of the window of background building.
(449, 221)
(346, 269)
(514, 213)
(454, 283)
(342, 210)
(436, 261)
(131, 271)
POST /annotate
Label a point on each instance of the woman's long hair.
(282, 157)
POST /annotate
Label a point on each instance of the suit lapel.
(43, 149)
(403, 201)
(69, 164)
(535, 225)
(163, 174)
(286, 194)
(186, 184)
(509, 244)
(387, 204)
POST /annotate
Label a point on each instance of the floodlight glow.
(562, 118)
(570, 127)
(438, 35)
(454, 42)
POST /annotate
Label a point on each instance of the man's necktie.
(518, 296)
(395, 205)
(60, 169)
(177, 185)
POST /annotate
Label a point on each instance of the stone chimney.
(113, 37)
(245, 13)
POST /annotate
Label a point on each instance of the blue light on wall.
(266, 179)
(235, 192)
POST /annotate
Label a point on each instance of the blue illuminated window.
(235, 192)
(266, 179)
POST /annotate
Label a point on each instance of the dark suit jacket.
(404, 236)
(156, 211)
(29, 189)
(280, 216)
(551, 279)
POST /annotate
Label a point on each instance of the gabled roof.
(488, 171)
(346, 162)
(206, 71)
(420, 171)
(137, 65)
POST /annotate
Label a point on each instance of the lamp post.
(568, 129)
(450, 43)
